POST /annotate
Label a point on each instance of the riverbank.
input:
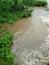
(29, 33)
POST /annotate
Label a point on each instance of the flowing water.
(31, 38)
(30, 35)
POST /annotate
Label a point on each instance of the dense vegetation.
(12, 10)
(11, 17)
(35, 2)
(6, 57)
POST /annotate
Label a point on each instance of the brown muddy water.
(30, 34)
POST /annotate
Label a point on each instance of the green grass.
(40, 3)
(6, 57)
(13, 10)
(14, 16)
(36, 2)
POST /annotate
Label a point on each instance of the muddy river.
(31, 37)
(30, 34)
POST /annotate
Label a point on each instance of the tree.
(5, 5)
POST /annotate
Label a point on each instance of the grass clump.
(36, 2)
(40, 3)
(11, 17)
(26, 13)
(16, 9)
(6, 57)
(12, 11)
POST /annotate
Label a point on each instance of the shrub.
(41, 3)
(26, 13)
(5, 5)
(12, 11)
(8, 60)
(11, 17)
(6, 40)
(35, 2)
(6, 57)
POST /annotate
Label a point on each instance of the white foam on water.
(45, 19)
(36, 57)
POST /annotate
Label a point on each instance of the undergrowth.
(6, 57)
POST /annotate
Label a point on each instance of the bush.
(26, 13)
(8, 60)
(12, 17)
(40, 3)
(12, 11)
(9, 4)
(6, 40)
(36, 2)
(6, 57)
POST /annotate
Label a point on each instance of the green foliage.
(20, 2)
(5, 5)
(8, 5)
(8, 60)
(11, 17)
(6, 57)
(40, 3)
(12, 11)
(26, 13)
(36, 2)
(6, 40)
